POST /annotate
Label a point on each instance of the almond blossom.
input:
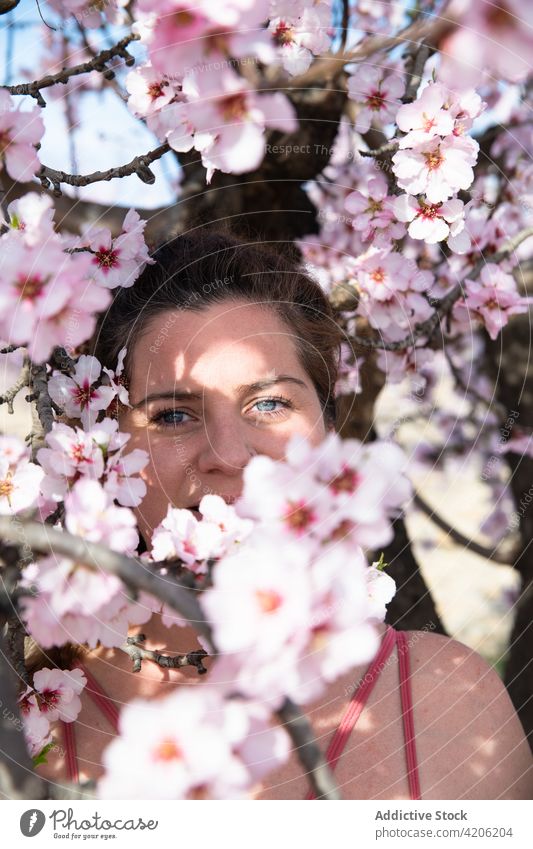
(73, 453)
(428, 116)
(45, 299)
(373, 212)
(149, 90)
(32, 216)
(35, 725)
(378, 94)
(77, 395)
(181, 535)
(434, 222)
(300, 31)
(91, 514)
(20, 479)
(491, 300)
(336, 492)
(438, 168)
(117, 262)
(218, 749)
(20, 131)
(307, 620)
(58, 692)
(230, 119)
(181, 38)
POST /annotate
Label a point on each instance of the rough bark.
(509, 360)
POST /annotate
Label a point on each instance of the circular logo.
(32, 822)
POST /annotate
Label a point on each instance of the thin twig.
(138, 165)
(489, 554)
(97, 63)
(137, 653)
(10, 394)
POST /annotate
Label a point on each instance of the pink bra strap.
(407, 713)
(70, 746)
(358, 701)
(100, 697)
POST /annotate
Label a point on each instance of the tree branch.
(489, 554)
(308, 751)
(138, 165)
(97, 63)
(135, 574)
(22, 380)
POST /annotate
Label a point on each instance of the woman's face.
(208, 390)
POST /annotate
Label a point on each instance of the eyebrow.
(243, 389)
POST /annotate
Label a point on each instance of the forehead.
(231, 342)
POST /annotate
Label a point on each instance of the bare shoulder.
(470, 741)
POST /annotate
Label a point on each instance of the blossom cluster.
(292, 605)
(72, 454)
(55, 694)
(53, 286)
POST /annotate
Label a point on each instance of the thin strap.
(358, 701)
(70, 746)
(407, 714)
(100, 697)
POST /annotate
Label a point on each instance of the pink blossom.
(230, 119)
(121, 481)
(149, 90)
(438, 168)
(181, 535)
(307, 630)
(35, 725)
(491, 300)
(117, 262)
(78, 395)
(45, 298)
(378, 93)
(260, 600)
(91, 514)
(19, 478)
(381, 590)
(33, 216)
(495, 43)
(58, 692)
(19, 132)
(77, 604)
(121, 391)
(195, 744)
(434, 222)
(181, 38)
(300, 33)
(98, 454)
(428, 116)
(373, 211)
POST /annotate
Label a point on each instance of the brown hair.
(204, 267)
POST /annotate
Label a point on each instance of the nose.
(225, 448)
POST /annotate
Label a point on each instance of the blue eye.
(277, 406)
(170, 417)
(271, 401)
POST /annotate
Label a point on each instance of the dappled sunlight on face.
(209, 389)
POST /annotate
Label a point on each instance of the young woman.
(232, 349)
